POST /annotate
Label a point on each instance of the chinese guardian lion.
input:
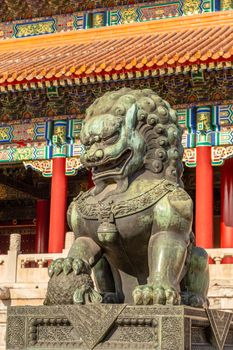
(134, 227)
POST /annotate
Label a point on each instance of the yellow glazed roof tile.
(157, 44)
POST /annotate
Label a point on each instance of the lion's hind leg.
(196, 281)
(108, 282)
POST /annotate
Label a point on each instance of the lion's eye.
(111, 139)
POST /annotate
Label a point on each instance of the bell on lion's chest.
(107, 232)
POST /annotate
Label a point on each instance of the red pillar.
(226, 223)
(204, 198)
(57, 226)
(42, 226)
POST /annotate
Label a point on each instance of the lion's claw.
(70, 282)
(86, 295)
(56, 267)
(80, 266)
(68, 265)
(149, 294)
(159, 296)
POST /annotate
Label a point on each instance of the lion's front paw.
(86, 295)
(149, 294)
(67, 265)
(70, 282)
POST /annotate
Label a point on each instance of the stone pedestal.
(120, 326)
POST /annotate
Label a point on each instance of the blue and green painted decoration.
(204, 125)
(107, 17)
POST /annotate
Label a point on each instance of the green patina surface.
(137, 216)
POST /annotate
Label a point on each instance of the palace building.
(56, 58)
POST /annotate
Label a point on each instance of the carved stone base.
(107, 326)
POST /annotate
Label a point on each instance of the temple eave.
(102, 52)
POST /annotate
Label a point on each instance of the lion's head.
(127, 130)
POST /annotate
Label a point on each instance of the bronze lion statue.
(134, 227)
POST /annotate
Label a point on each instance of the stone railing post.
(15, 242)
(12, 257)
(69, 240)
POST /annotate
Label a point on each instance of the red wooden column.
(42, 226)
(226, 223)
(204, 180)
(57, 226)
(204, 198)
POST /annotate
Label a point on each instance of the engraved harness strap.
(124, 208)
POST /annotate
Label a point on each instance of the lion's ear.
(131, 117)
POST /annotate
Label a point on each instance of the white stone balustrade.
(69, 240)
(218, 254)
(28, 268)
(3, 264)
(33, 268)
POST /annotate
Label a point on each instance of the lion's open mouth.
(112, 166)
